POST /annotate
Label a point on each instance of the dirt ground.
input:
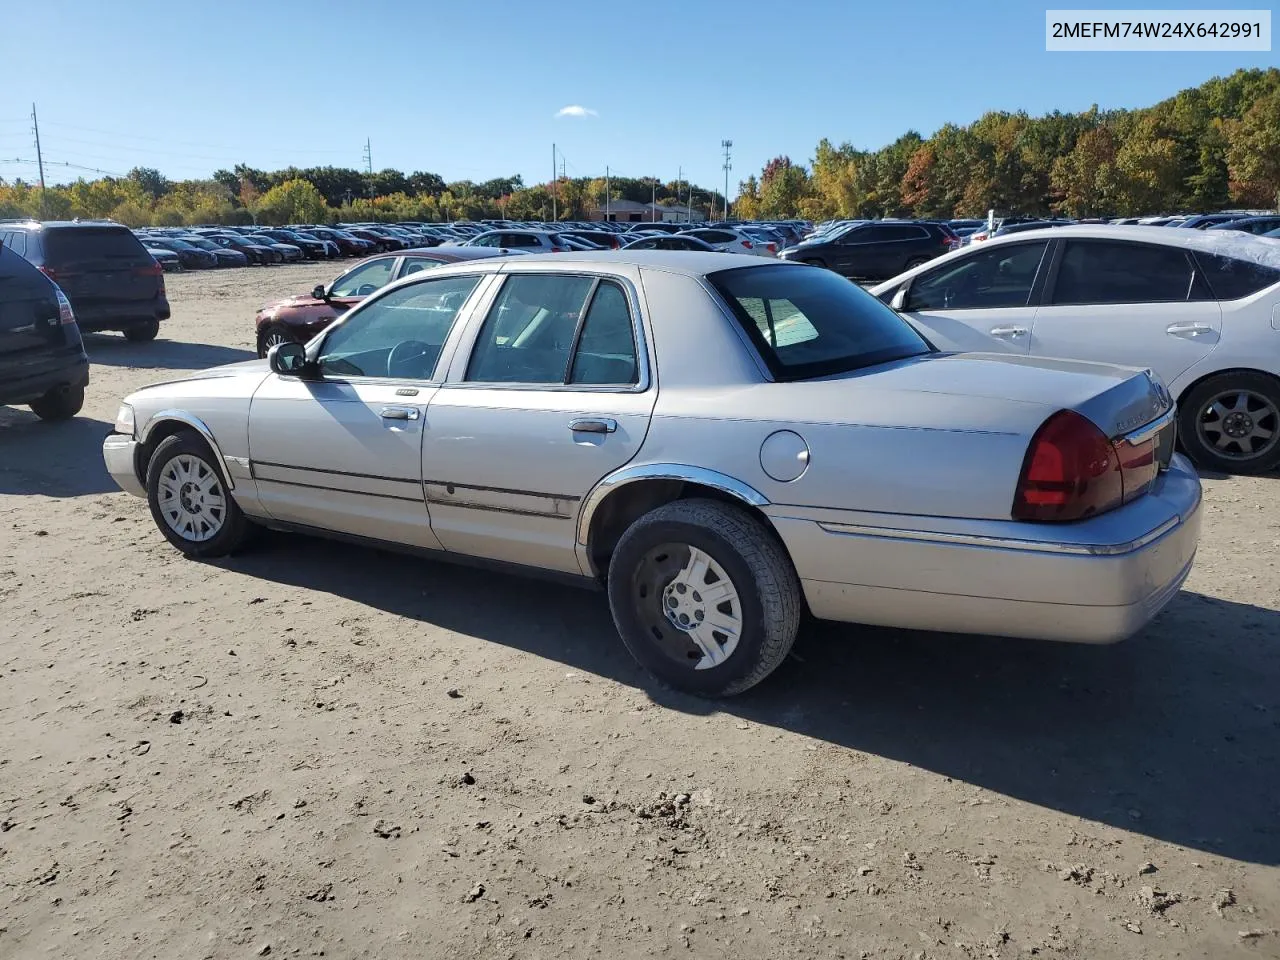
(318, 750)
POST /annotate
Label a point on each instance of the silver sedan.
(721, 442)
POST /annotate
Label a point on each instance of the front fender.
(195, 423)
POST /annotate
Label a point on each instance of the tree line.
(245, 195)
(1207, 148)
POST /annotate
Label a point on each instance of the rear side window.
(1232, 279)
(17, 242)
(811, 323)
(92, 243)
(1108, 271)
(887, 232)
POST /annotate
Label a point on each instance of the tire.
(142, 332)
(178, 462)
(913, 263)
(1218, 418)
(60, 403)
(270, 331)
(651, 561)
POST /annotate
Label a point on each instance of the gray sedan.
(721, 442)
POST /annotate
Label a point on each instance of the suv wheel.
(704, 597)
(142, 332)
(60, 403)
(1231, 423)
(189, 499)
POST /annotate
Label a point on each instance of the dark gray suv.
(42, 359)
(106, 273)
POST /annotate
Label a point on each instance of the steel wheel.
(1239, 424)
(191, 498)
(689, 604)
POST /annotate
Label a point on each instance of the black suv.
(106, 273)
(876, 250)
(42, 360)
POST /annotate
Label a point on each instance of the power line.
(137, 136)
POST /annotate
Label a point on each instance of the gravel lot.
(314, 749)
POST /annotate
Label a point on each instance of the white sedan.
(1200, 308)
(721, 442)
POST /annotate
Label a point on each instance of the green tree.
(151, 181)
(1253, 152)
(294, 201)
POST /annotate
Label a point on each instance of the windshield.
(809, 322)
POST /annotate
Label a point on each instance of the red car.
(300, 318)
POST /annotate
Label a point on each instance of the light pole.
(728, 165)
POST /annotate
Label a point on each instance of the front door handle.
(587, 425)
(400, 413)
(1008, 333)
(1188, 328)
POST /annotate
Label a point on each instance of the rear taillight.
(1139, 466)
(49, 272)
(152, 269)
(773, 247)
(1071, 472)
(747, 244)
(65, 314)
(616, 244)
(557, 249)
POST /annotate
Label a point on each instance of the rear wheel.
(1231, 423)
(142, 332)
(915, 262)
(704, 597)
(60, 403)
(190, 501)
(273, 334)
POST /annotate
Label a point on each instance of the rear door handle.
(1188, 328)
(587, 425)
(400, 413)
(1008, 332)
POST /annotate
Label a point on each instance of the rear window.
(808, 322)
(92, 243)
(1232, 279)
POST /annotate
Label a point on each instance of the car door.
(362, 280)
(989, 291)
(546, 395)
(341, 449)
(1133, 303)
(852, 250)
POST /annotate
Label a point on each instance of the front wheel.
(273, 334)
(190, 501)
(915, 262)
(704, 597)
(1231, 423)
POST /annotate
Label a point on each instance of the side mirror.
(899, 301)
(288, 359)
(320, 292)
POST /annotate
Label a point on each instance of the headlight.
(124, 420)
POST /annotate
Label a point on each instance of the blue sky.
(472, 90)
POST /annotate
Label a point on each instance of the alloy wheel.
(1239, 424)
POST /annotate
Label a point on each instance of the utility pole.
(679, 183)
(606, 193)
(35, 126)
(368, 157)
(653, 202)
(553, 182)
(728, 165)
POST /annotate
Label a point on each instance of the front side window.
(364, 279)
(812, 323)
(996, 277)
(398, 335)
(555, 329)
(1112, 271)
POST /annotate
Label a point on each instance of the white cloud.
(574, 110)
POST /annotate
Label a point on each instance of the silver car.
(722, 442)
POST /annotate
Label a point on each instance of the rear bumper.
(30, 380)
(1097, 581)
(119, 454)
(116, 316)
